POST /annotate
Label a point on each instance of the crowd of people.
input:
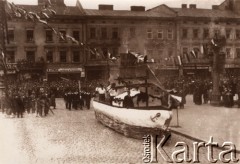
(34, 96)
(39, 97)
(202, 89)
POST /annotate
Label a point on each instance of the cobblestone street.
(72, 137)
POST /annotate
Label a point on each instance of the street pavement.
(203, 121)
(74, 137)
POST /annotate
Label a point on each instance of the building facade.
(162, 33)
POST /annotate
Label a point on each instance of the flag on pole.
(179, 60)
(202, 49)
(140, 58)
(213, 43)
(193, 54)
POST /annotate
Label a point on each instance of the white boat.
(134, 122)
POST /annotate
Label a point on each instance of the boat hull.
(134, 123)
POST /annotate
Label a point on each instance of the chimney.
(192, 6)
(215, 7)
(184, 6)
(137, 8)
(105, 7)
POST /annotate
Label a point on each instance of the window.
(228, 52)
(149, 34)
(92, 33)
(11, 35)
(238, 34)
(132, 32)
(30, 36)
(30, 56)
(205, 33)
(228, 33)
(195, 33)
(11, 57)
(184, 33)
(170, 34)
(160, 34)
(49, 36)
(104, 33)
(75, 56)
(63, 38)
(49, 56)
(63, 56)
(238, 52)
(115, 33)
(76, 35)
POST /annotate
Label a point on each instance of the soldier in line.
(88, 99)
(33, 101)
(47, 105)
(19, 106)
(75, 100)
(53, 100)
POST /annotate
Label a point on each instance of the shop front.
(197, 71)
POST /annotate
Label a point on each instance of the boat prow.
(133, 122)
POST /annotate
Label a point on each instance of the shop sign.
(70, 69)
(64, 70)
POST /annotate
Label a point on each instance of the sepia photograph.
(130, 81)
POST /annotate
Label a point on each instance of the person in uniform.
(88, 99)
(19, 106)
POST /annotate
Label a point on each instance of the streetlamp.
(217, 67)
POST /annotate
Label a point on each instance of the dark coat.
(128, 102)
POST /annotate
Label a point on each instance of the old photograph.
(100, 81)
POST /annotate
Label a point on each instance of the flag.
(42, 21)
(202, 49)
(140, 58)
(72, 39)
(45, 15)
(3, 56)
(193, 54)
(179, 60)
(213, 43)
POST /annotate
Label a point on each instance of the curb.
(197, 139)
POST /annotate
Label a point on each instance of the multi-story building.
(162, 33)
(33, 42)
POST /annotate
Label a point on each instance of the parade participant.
(40, 104)
(127, 101)
(53, 101)
(19, 106)
(167, 101)
(75, 99)
(46, 105)
(80, 100)
(112, 93)
(88, 100)
(69, 100)
(101, 91)
(33, 101)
